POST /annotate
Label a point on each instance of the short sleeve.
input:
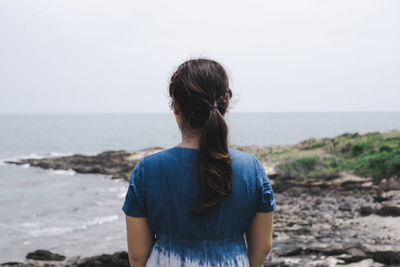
(265, 194)
(134, 199)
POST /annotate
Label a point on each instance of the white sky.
(117, 56)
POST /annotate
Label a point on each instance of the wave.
(59, 154)
(34, 156)
(60, 227)
(26, 156)
(37, 156)
(61, 172)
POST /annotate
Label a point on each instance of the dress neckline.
(193, 149)
(188, 148)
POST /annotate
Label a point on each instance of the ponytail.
(195, 85)
(214, 166)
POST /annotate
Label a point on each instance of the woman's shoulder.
(167, 159)
(243, 159)
(236, 153)
(166, 156)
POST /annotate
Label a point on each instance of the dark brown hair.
(196, 85)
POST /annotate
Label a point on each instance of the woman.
(199, 203)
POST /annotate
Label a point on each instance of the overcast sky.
(117, 56)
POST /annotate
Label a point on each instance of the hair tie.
(213, 106)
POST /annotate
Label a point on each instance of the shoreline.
(326, 214)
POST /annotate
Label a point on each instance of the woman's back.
(163, 188)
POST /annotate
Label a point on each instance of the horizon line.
(161, 112)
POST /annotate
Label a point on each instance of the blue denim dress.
(162, 188)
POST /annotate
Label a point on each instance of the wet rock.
(387, 257)
(15, 264)
(366, 210)
(44, 255)
(389, 210)
(354, 255)
(118, 164)
(118, 259)
(381, 197)
(328, 250)
(290, 251)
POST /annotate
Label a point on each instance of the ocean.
(80, 214)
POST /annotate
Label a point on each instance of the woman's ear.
(175, 107)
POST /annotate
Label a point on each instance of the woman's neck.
(191, 142)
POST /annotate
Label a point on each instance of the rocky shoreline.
(117, 164)
(45, 258)
(338, 218)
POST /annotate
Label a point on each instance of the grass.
(373, 155)
(311, 167)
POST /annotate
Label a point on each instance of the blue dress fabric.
(162, 188)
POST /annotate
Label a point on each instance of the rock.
(290, 251)
(389, 210)
(118, 164)
(315, 223)
(277, 264)
(366, 210)
(44, 255)
(393, 183)
(387, 257)
(118, 259)
(345, 206)
(380, 197)
(349, 181)
(72, 261)
(357, 254)
(15, 264)
(328, 250)
(363, 263)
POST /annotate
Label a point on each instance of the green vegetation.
(313, 146)
(312, 167)
(373, 154)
